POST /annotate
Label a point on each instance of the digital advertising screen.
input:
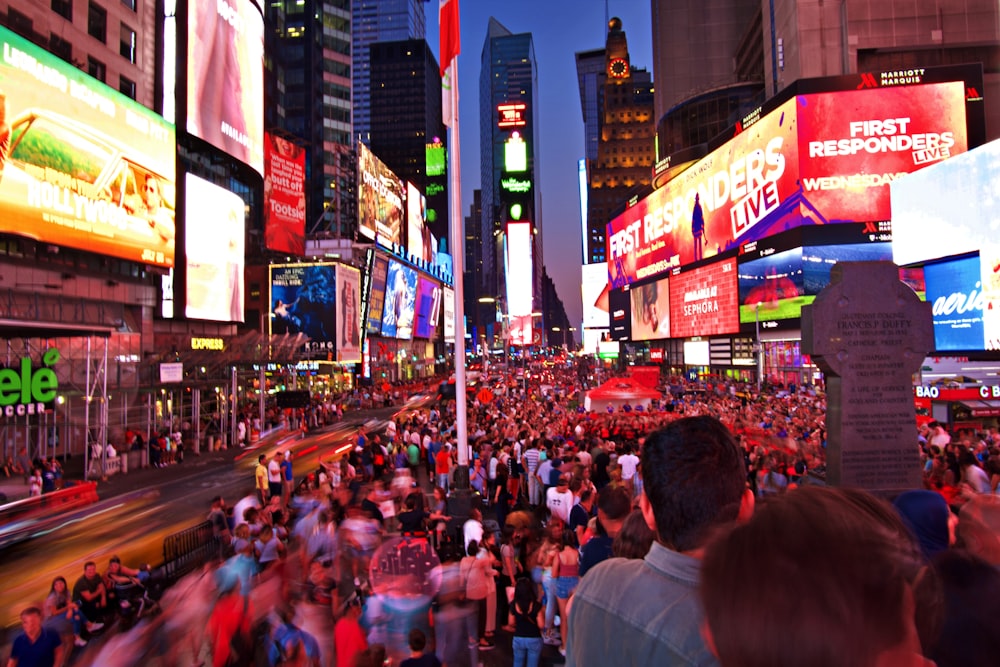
(376, 299)
(449, 315)
(428, 307)
(520, 331)
(816, 159)
(304, 300)
(215, 233)
(349, 314)
(400, 301)
(650, 310)
(419, 242)
(380, 199)
(621, 315)
(284, 195)
(705, 301)
(519, 264)
(696, 353)
(948, 209)
(83, 166)
(818, 260)
(954, 291)
(594, 288)
(225, 77)
(772, 287)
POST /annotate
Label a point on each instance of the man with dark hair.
(646, 612)
(613, 506)
(418, 642)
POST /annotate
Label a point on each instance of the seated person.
(91, 594)
(120, 579)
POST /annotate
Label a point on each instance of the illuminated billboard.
(83, 166)
(772, 287)
(705, 301)
(380, 198)
(650, 312)
(419, 241)
(376, 298)
(428, 307)
(518, 268)
(214, 245)
(520, 330)
(594, 288)
(436, 157)
(225, 77)
(449, 315)
(964, 299)
(284, 195)
(304, 300)
(513, 114)
(947, 209)
(621, 320)
(816, 159)
(400, 301)
(348, 314)
(515, 154)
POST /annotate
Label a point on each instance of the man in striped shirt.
(530, 462)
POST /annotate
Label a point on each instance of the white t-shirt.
(274, 471)
(628, 462)
(472, 530)
(559, 503)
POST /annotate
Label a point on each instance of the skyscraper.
(374, 21)
(625, 126)
(508, 76)
(406, 116)
(308, 95)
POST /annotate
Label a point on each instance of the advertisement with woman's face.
(214, 247)
(225, 71)
(400, 301)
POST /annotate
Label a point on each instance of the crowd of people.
(694, 530)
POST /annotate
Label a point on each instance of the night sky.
(559, 29)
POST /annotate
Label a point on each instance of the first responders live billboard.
(83, 166)
(816, 159)
(284, 195)
(225, 77)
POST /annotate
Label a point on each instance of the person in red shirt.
(230, 619)
(442, 465)
(348, 637)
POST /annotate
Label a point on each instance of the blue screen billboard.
(954, 290)
(400, 301)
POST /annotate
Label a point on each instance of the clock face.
(618, 68)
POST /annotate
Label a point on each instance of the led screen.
(520, 330)
(419, 242)
(696, 353)
(376, 298)
(400, 301)
(284, 196)
(449, 315)
(704, 302)
(621, 321)
(83, 166)
(965, 296)
(304, 300)
(349, 314)
(436, 157)
(225, 77)
(428, 307)
(594, 288)
(214, 245)
(650, 310)
(519, 268)
(816, 159)
(772, 287)
(818, 260)
(380, 198)
(947, 209)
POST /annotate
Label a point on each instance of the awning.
(982, 408)
(40, 329)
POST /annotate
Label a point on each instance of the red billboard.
(816, 159)
(284, 196)
(705, 301)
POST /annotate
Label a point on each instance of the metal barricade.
(189, 549)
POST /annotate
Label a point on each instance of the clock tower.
(616, 52)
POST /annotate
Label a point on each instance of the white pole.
(458, 258)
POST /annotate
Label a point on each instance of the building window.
(97, 22)
(130, 4)
(63, 8)
(20, 23)
(96, 68)
(127, 48)
(126, 87)
(61, 47)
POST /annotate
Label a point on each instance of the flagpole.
(458, 260)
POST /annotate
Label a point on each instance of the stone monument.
(869, 332)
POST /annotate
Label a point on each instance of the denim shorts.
(565, 586)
